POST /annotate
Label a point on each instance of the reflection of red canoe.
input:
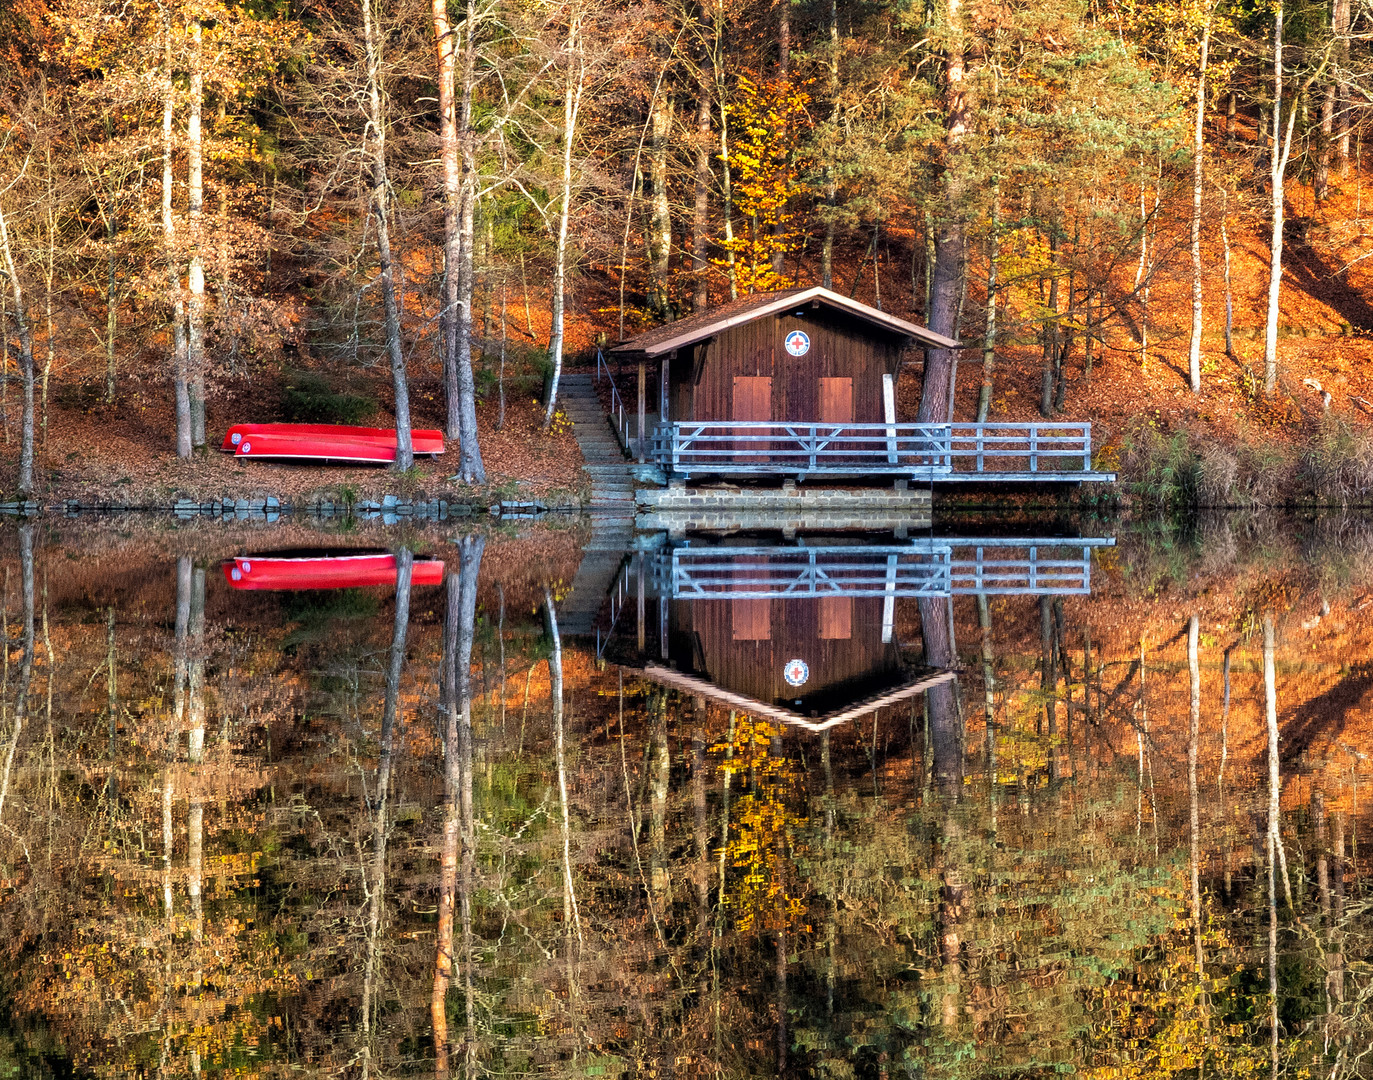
(325, 442)
(325, 571)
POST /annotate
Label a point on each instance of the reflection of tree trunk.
(572, 919)
(984, 619)
(698, 806)
(660, 769)
(195, 821)
(1270, 698)
(1194, 670)
(945, 735)
(21, 702)
(381, 800)
(1336, 975)
(1048, 682)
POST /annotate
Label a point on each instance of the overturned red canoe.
(325, 442)
(325, 571)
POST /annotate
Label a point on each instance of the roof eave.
(924, 336)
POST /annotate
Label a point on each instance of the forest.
(409, 211)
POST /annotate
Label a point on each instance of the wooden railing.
(919, 451)
(619, 418)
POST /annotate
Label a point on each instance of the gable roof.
(694, 328)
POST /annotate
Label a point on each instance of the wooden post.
(642, 392)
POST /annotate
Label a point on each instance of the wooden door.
(836, 407)
(836, 618)
(752, 401)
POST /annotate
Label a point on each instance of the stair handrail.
(619, 419)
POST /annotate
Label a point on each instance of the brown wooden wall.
(701, 379)
(742, 645)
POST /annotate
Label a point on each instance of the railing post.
(1086, 447)
(814, 439)
(1034, 569)
(981, 447)
(1034, 448)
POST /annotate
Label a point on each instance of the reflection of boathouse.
(805, 632)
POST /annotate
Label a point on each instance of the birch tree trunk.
(376, 123)
(195, 278)
(1198, 145)
(573, 86)
(445, 40)
(572, 920)
(941, 364)
(25, 356)
(1282, 147)
(470, 467)
(181, 386)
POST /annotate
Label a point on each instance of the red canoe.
(325, 442)
(325, 571)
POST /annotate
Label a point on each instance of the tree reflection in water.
(328, 851)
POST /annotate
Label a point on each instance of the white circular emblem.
(798, 343)
(236, 437)
(247, 567)
(796, 672)
(245, 447)
(236, 574)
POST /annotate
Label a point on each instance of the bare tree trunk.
(445, 39)
(1229, 296)
(1198, 146)
(381, 188)
(831, 189)
(726, 184)
(25, 356)
(573, 87)
(1282, 149)
(195, 278)
(941, 364)
(700, 216)
(660, 215)
(984, 397)
(177, 302)
(471, 470)
(1339, 24)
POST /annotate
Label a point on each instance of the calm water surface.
(993, 803)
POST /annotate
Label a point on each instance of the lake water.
(996, 800)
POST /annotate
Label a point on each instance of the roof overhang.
(816, 294)
(695, 684)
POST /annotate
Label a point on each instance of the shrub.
(308, 398)
(1165, 471)
(1337, 466)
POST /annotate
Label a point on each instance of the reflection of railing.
(618, 596)
(920, 567)
(922, 451)
(619, 419)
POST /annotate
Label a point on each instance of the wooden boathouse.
(801, 384)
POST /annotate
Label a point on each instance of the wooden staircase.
(612, 482)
